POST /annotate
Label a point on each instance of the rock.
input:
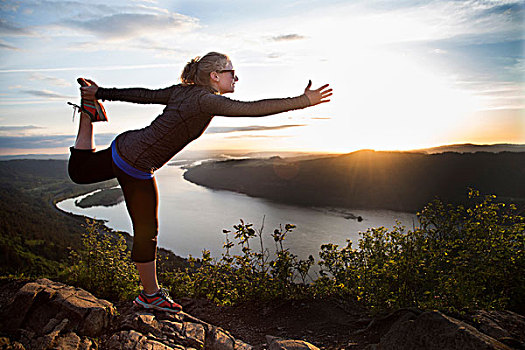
(68, 341)
(435, 331)
(506, 326)
(217, 339)
(8, 344)
(132, 340)
(275, 343)
(380, 326)
(50, 315)
(39, 306)
(194, 333)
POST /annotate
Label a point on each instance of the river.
(191, 218)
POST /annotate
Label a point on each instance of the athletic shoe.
(159, 301)
(94, 109)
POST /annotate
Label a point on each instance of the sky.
(406, 74)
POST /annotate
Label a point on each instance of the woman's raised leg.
(86, 166)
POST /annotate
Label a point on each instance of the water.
(192, 218)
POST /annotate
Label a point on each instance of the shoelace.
(76, 108)
(163, 292)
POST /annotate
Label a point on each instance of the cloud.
(439, 51)
(128, 25)
(9, 7)
(51, 10)
(512, 8)
(228, 129)
(10, 29)
(47, 141)
(53, 80)
(7, 46)
(255, 137)
(85, 68)
(288, 37)
(46, 94)
(29, 142)
(19, 128)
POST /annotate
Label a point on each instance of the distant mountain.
(403, 181)
(472, 148)
(191, 155)
(35, 156)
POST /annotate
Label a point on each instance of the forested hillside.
(34, 235)
(367, 179)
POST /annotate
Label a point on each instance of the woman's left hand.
(88, 92)
(319, 95)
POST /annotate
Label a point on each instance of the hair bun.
(197, 70)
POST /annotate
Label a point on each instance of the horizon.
(406, 76)
(201, 154)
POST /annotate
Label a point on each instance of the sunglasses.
(231, 71)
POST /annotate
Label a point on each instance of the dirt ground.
(325, 324)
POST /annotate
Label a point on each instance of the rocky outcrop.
(50, 315)
(432, 330)
(506, 326)
(45, 313)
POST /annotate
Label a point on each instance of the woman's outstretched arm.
(135, 95)
(223, 106)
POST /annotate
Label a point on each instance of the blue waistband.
(125, 167)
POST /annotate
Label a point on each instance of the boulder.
(44, 305)
(379, 326)
(50, 315)
(275, 343)
(505, 326)
(436, 331)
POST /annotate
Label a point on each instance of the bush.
(459, 258)
(243, 277)
(103, 265)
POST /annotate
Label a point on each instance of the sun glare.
(388, 101)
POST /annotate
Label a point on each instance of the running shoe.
(94, 109)
(159, 301)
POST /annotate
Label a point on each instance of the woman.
(135, 155)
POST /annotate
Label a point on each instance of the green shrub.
(246, 276)
(459, 258)
(103, 265)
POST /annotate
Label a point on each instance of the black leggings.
(141, 196)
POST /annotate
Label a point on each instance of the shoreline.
(175, 260)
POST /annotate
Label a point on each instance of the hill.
(402, 181)
(35, 237)
(473, 148)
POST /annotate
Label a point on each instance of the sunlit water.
(192, 218)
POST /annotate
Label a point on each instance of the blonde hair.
(197, 71)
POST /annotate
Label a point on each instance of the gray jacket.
(189, 110)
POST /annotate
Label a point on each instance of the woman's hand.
(88, 92)
(317, 96)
